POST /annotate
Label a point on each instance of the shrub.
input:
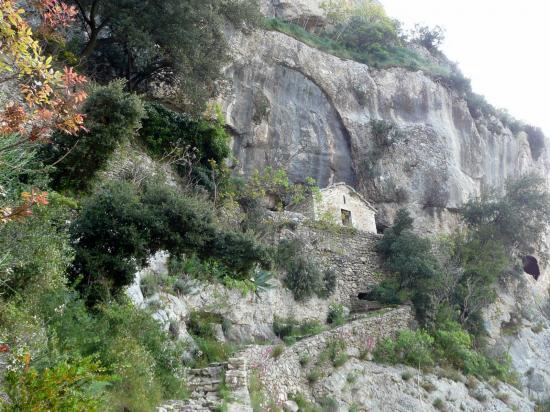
(127, 341)
(165, 130)
(36, 252)
(314, 375)
(111, 240)
(336, 315)
(67, 386)
(407, 375)
(118, 229)
(291, 331)
(277, 351)
(149, 285)
(303, 276)
(387, 292)
(112, 115)
(439, 404)
(411, 348)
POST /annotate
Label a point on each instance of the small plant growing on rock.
(503, 397)
(351, 378)
(313, 376)
(336, 315)
(304, 360)
(277, 351)
(428, 386)
(439, 404)
(407, 375)
(149, 285)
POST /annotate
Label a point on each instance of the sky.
(503, 46)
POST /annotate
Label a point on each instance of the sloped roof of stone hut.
(351, 189)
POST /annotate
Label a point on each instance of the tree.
(179, 42)
(518, 219)
(429, 37)
(43, 100)
(112, 115)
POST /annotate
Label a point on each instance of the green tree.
(112, 115)
(179, 41)
(518, 218)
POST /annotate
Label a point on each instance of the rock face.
(373, 387)
(312, 112)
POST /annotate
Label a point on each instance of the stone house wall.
(350, 254)
(338, 199)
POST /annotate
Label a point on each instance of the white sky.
(502, 45)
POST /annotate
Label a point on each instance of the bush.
(111, 238)
(118, 229)
(36, 252)
(336, 315)
(291, 331)
(127, 341)
(387, 292)
(277, 351)
(149, 285)
(165, 130)
(112, 115)
(411, 348)
(68, 386)
(303, 276)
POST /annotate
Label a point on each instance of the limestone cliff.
(295, 105)
(292, 105)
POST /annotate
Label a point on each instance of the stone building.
(343, 205)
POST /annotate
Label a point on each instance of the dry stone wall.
(350, 254)
(284, 374)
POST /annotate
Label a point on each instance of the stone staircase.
(205, 384)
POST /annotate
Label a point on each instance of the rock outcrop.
(293, 105)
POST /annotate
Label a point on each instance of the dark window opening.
(344, 199)
(346, 217)
(380, 228)
(531, 266)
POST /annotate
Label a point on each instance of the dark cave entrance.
(531, 266)
(363, 296)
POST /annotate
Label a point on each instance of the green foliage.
(411, 348)
(336, 315)
(179, 42)
(377, 44)
(388, 292)
(35, 252)
(275, 185)
(516, 219)
(201, 326)
(118, 229)
(406, 253)
(449, 345)
(112, 116)
(68, 386)
(429, 37)
(303, 276)
(127, 341)
(277, 351)
(291, 331)
(165, 132)
(334, 352)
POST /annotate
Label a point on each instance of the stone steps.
(205, 384)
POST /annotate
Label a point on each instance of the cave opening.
(363, 296)
(531, 266)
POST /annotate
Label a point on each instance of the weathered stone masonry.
(284, 375)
